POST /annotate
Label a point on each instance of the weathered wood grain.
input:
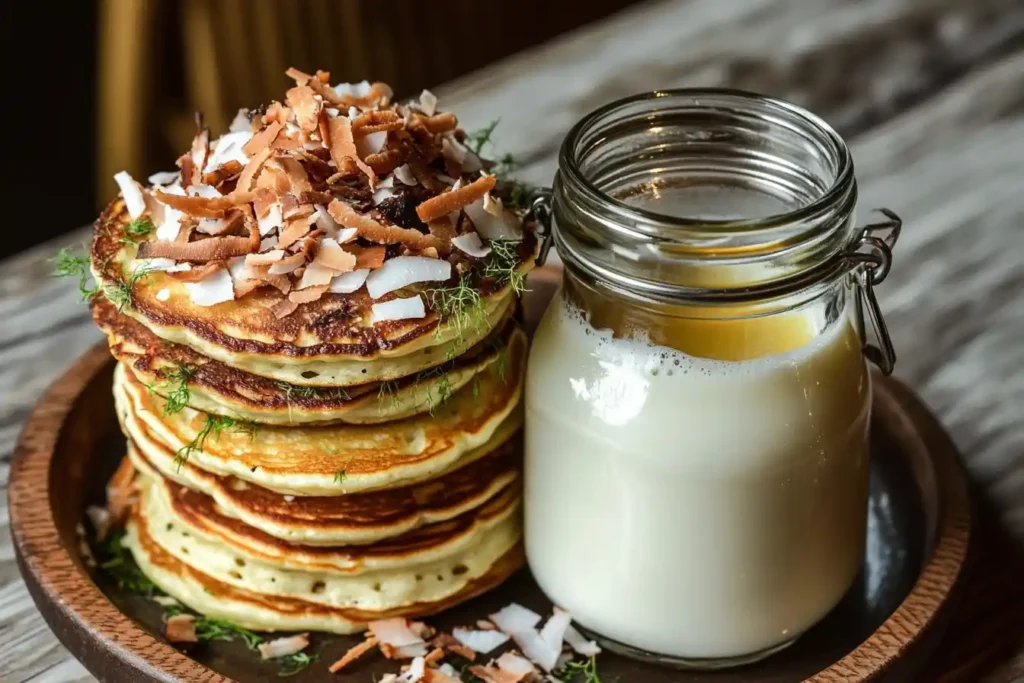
(931, 95)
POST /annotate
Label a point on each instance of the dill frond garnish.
(68, 264)
(502, 265)
(460, 305)
(579, 672)
(293, 664)
(476, 385)
(501, 364)
(178, 394)
(213, 426)
(311, 392)
(339, 476)
(479, 139)
(117, 561)
(138, 228)
(120, 292)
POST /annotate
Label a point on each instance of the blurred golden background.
(137, 70)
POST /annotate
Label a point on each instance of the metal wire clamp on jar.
(681, 215)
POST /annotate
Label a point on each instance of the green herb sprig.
(69, 264)
(117, 561)
(120, 293)
(478, 139)
(136, 230)
(502, 265)
(177, 394)
(293, 664)
(579, 672)
(213, 426)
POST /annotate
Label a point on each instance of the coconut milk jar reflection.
(697, 398)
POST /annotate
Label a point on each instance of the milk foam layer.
(693, 507)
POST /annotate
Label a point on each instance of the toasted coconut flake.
(297, 178)
(333, 257)
(485, 625)
(514, 664)
(164, 264)
(536, 648)
(395, 632)
(271, 220)
(131, 191)
(405, 175)
(287, 265)
(375, 122)
(480, 641)
(376, 232)
(400, 309)
(428, 103)
(367, 257)
(283, 308)
(203, 207)
(200, 152)
(230, 147)
(216, 288)
(264, 259)
(441, 123)
(384, 162)
(301, 78)
(211, 249)
(294, 230)
(343, 146)
(282, 647)
(263, 139)
(241, 123)
(181, 629)
(248, 175)
(164, 178)
(580, 644)
(198, 273)
(306, 105)
(403, 271)
(448, 642)
(471, 244)
(435, 655)
(445, 203)
(316, 276)
(308, 295)
(384, 190)
(353, 654)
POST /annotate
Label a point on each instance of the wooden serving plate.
(918, 539)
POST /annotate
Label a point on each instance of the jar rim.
(570, 167)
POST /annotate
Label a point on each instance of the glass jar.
(697, 397)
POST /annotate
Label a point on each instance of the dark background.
(97, 86)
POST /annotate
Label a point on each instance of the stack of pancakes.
(306, 459)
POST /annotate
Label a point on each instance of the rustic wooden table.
(930, 94)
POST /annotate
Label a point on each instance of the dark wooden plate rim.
(93, 629)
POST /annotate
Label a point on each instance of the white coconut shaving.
(405, 175)
(361, 89)
(428, 103)
(212, 290)
(385, 190)
(582, 646)
(134, 199)
(403, 271)
(497, 223)
(372, 143)
(515, 617)
(164, 178)
(346, 283)
(241, 122)
(471, 244)
(205, 191)
(164, 264)
(272, 220)
(228, 147)
(480, 641)
(399, 309)
(282, 647)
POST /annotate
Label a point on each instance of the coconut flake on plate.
(212, 290)
(403, 271)
(181, 628)
(228, 147)
(134, 199)
(164, 178)
(480, 641)
(268, 243)
(471, 244)
(494, 222)
(346, 283)
(315, 275)
(165, 264)
(283, 647)
(99, 518)
(582, 646)
(554, 629)
(405, 175)
(536, 648)
(417, 668)
(395, 631)
(514, 617)
(399, 309)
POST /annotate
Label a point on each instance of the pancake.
(209, 579)
(337, 459)
(331, 341)
(356, 518)
(196, 514)
(217, 388)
